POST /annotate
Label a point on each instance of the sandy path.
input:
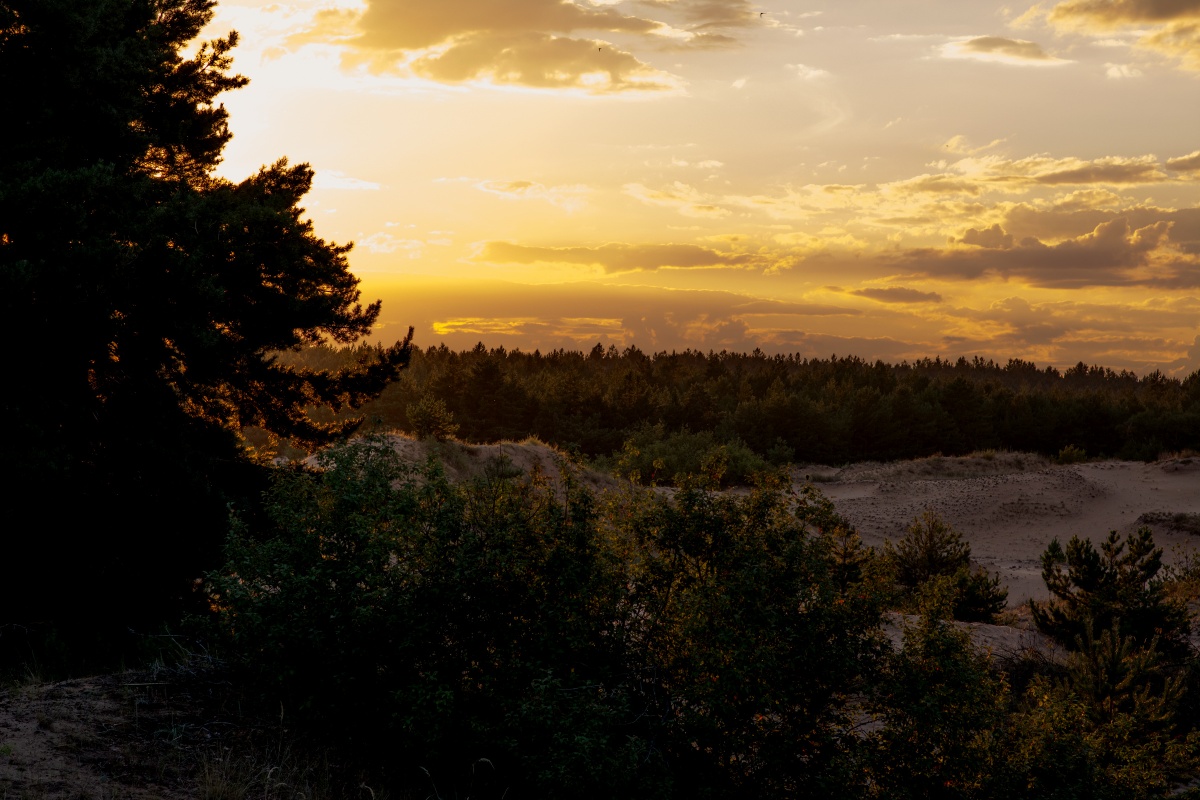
(1010, 516)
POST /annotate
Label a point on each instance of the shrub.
(1071, 455)
(747, 645)
(1119, 583)
(930, 550)
(432, 626)
(653, 456)
(430, 419)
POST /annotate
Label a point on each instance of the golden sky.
(886, 178)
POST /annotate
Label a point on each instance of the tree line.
(776, 409)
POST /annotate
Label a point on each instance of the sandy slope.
(1010, 506)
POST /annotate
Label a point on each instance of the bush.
(1071, 455)
(432, 626)
(750, 632)
(1119, 583)
(653, 456)
(930, 550)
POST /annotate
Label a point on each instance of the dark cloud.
(1169, 27)
(897, 294)
(1188, 163)
(993, 238)
(1067, 222)
(1114, 254)
(1114, 13)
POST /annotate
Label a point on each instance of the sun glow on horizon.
(894, 180)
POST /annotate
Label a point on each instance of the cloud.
(944, 183)
(569, 198)
(807, 73)
(1167, 27)
(1118, 72)
(618, 257)
(577, 315)
(1073, 217)
(993, 238)
(681, 197)
(1048, 171)
(409, 25)
(897, 294)
(1001, 50)
(773, 307)
(703, 14)
(1179, 40)
(532, 43)
(960, 145)
(1113, 254)
(1107, 14)
(336, 179)
(1188, 163)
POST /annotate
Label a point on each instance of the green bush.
(653, 456)
(929, 550)
(753, 634)
(432, 626)
(1071, 455)
(1120, 582)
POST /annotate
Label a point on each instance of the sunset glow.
(888, 178)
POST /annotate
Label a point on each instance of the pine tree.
(1119, 584)
(142, 297)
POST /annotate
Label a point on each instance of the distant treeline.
(780, 409)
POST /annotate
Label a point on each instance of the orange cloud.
(619, 257)
(518, 42)
(897, 294)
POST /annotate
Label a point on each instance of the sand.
(1009, 506)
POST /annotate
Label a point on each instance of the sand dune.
(1009, 506)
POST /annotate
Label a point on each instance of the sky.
(892, 179)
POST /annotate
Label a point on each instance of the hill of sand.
(1009, 506)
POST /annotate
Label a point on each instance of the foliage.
(1071, 455)
(1105, 730)
(931, 550)
(1117, 585)
(941, 706)
(653, 456)
(431, 420)
(513, 634)
(731, 595)
(445, 624)
(150, 296)
(790, 408)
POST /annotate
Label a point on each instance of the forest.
(764, 410)
(173, 333)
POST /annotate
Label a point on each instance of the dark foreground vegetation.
(665, 413)
(512, 637)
